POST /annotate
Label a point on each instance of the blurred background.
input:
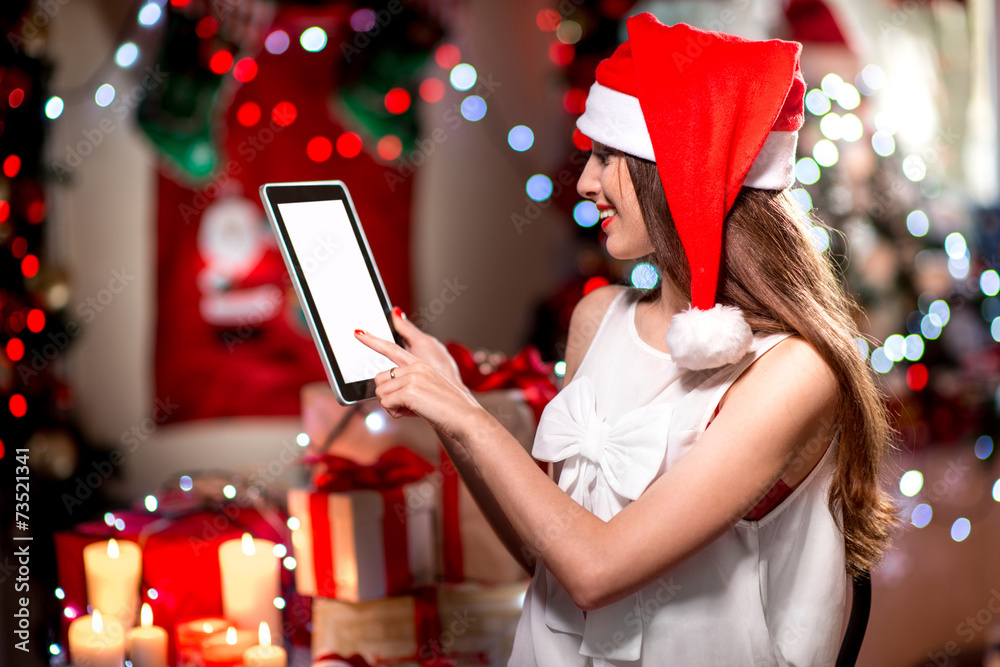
(149, 332)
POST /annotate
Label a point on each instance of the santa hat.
(715, 112)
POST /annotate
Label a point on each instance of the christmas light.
(917, 222)
(447, 56)
(151, 503)
(375, 422)
(520, 138)
(820, 238)
(880, 361)
(105, 95)
(127, 54)
(473, 108)
(363, 20)
(462, 76)
(802, 198)
(313, 39)
(349, 145)
(248, 114)
(206, 27)
(851, 128)
(983, 447)
(961, 529)
(559, 368)
(277, 42)
(302, 440)
(245, 70)
(229, 491)
(895, 347)
(873, 76)
(825, 153)
(913, 347)
(150, 14)
(539, 187)
(806, 171)
(862, 347)
(569, 32)
(921, 515)
(848, 97)
(817, 102)
(54, 107)
(319, 149)
(397, 101)
(831, 85)
(883, 143)
(284, 114)
(389, 147)
(914, 168)
(911, 482)
(644, 276)
(186, 483)
(280, 550)
(585, 213)
(989, 282)
(431, 90)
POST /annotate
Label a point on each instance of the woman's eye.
(602, 156)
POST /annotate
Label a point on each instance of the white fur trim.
(774, 166)
(700, 339)
(615, 119)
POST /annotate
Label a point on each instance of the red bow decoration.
(526, 371)
(396, 467)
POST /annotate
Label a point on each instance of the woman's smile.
(604, 214)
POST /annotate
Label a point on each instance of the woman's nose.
(589, 184)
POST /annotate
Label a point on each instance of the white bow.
(606, 467)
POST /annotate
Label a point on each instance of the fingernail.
(360, 331)
(399, 312)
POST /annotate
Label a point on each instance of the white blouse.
(767, 592)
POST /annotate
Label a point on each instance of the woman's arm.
(779, 404)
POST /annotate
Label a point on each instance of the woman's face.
(605, 181)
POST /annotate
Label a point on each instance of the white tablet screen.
(338, 279)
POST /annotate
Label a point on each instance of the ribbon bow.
(396, 467)
(607, 464)
(526, 371)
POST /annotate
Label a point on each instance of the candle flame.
(146, 616)
(96, 621)
(264, 634)
(112, 548)
(231, 636)
(248, 547)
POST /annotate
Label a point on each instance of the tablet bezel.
(271, 195)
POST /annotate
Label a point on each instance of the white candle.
(113, 569)
(250, 582)
(96, 641)
(265, 654)
(147, 644)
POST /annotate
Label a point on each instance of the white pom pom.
(700, 339)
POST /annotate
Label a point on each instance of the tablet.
(336, 279)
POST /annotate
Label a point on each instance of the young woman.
(717, 442)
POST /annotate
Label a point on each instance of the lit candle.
(226, 649)
(113, 570)
(265, 654)
(191, 634)
(96, 641)
(147, 644)
(250, 582)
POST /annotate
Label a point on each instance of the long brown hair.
(771, 271)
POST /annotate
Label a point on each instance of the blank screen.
(337, 277)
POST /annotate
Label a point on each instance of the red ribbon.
(336, 474)
(525, 371)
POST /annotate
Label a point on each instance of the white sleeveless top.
(767, 592)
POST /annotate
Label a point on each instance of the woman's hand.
(427, 348)
(417, 387)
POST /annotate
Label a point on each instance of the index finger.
(385, 347)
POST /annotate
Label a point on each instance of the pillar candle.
(265, 654)
(113, 569)
(147, 644)
(226, 649)
(250, 582)
(97, 642)
(191, 634)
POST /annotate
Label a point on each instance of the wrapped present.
(463, 624)
(365, 532)
(524, 371)
(180, 569)
(469, 549)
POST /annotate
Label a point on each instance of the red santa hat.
(715, 112)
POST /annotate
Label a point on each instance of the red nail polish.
(399, 312)
(359, 331)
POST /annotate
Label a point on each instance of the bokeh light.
(585, 213)
(150, 14)
(883, 143)
(983, 447)
(917, 223)
(817, 102)
(825, 153)
(960, 529)
(349, 145)
(921, 515)
(520, 138)
(806, 171)
(277, 42)
(911, 482)
(105, 95)
(389, 147)
(319, 149)
(914, 168)
(989, 282)
(127, 54)
(644, 276)
(54, 107)
(313, 39)
(431, 90)
(539, 187)
(820, 238)
(462, 76)
(473, 108)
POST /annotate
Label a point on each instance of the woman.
(716, 466)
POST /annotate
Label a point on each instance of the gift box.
(465, 624)
(365, 532)
(468, 547)
(179, 545)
